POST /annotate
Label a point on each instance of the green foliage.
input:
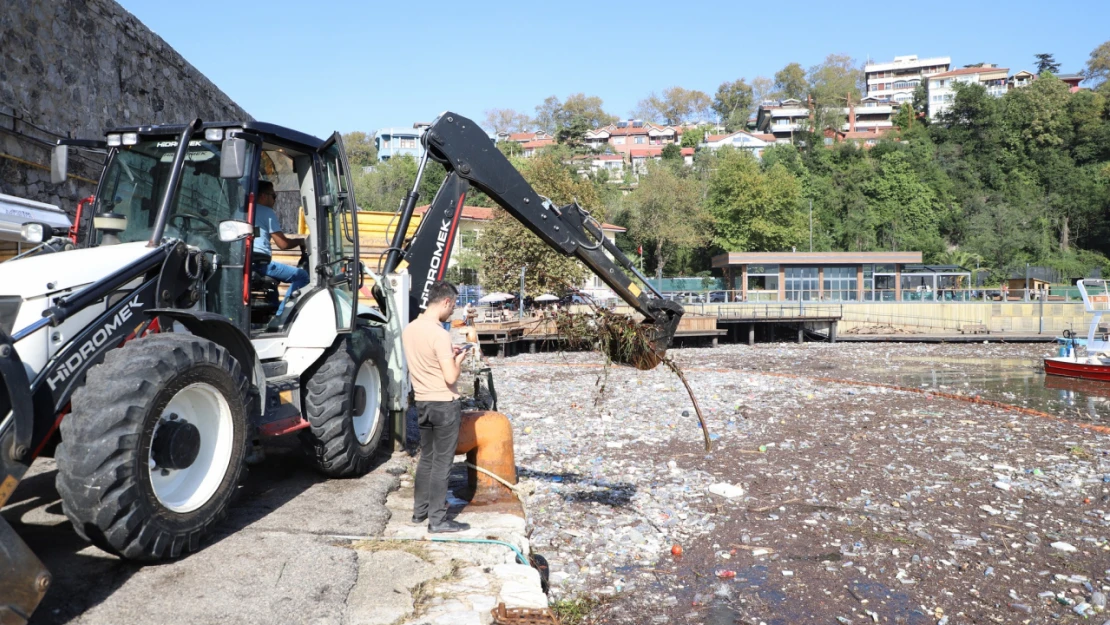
(554, 115)
(1046, 64)
(693, 137)
(674, 106)
(733, 103)
(505, 246)
(361, 151)
(666, 212)
(671, 152)
(1098, 66)
(790, 82)
(754, 210)
(383, 188)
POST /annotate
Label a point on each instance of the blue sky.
(349, 65)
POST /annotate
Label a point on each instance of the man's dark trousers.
(439, 435)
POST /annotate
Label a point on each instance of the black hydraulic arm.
(471, 157)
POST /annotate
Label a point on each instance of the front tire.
(345, 403)
(153, 448)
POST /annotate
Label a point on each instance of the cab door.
(339, 258)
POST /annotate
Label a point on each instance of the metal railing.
(1055, 294)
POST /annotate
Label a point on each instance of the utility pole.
(521, 307)
(811, 224)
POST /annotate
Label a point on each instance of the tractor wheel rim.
(187, 489)
(366, 422)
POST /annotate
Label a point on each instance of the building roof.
(521, 137)
(537, 143)
(910, 60)
(814, 258)
(965, 71)
(486, 213)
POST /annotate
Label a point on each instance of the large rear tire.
(153, 448)
(346, 406)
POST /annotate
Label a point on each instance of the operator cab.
(213, 210)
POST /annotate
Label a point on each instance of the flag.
(641, 252)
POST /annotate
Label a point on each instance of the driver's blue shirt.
(266, 220)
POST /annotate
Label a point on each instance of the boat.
(1094, 364)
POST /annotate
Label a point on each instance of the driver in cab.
(266, 220)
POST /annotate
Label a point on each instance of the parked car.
(716, 297)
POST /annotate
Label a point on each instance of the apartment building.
(400, 142)
(782, 118)
(896, 80)
(942, 87)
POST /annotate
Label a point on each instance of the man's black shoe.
(419, 518)
(448, 526)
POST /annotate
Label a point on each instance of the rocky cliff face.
(75, 68)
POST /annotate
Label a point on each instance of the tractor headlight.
(34, 232)
(9, 308)
(114, 140)
(130, 138)
(213, 134)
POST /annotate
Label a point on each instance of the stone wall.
(73, 68)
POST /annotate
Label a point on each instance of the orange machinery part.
(486, 437)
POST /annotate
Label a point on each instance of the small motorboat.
(1094, 363)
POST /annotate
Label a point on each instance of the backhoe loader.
(152, 361)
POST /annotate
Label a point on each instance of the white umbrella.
(495, 297)
(547, 297)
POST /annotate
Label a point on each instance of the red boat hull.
(1054, 366)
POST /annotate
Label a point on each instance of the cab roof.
(281, 133)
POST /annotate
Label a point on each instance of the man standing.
(434, 368)
(269, 227)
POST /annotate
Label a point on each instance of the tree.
(790, 82)
(732, 104)
(574, 132)
(383, 188)
(666, 212)
(762, 89)
(671, 152)
(753, 210)
(506, 120)
(553, 114)
(834, 81)
(675, 105)
(693, 137)
(360, 148)
(1046, 63)
(1098, 66)
(506, 245)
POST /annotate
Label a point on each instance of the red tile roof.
(537, 143)
(521, 137)
(687, 151)
(964, 71)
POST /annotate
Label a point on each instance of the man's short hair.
(441, 290)
(265, 186)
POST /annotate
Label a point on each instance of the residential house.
(627, 135)
(782, 118)
(864, 138)
(896, 80)
(741, 140)
(942, 87)
(593, 163)
(1024, 78)
(531, 142)
(400, 142)
(871, 114)
(638, 157)
(1072, 80)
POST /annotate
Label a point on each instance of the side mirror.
(233, 158)
(233, 230)
(59, 164)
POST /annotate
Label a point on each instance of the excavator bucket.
(23, 578)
